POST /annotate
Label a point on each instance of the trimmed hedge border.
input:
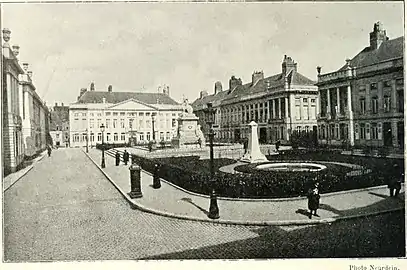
(193, 174)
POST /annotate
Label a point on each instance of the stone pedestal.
(253, 154)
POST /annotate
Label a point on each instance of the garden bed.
(193, 174)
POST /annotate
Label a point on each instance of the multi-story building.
(35, 115)
(362, 103)
(12, 136)
(128, 117)
(280, 104)
(59, 125)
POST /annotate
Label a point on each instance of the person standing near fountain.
(313, 200)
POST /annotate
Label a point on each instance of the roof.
(116, 97)
(274, 81)
(389, 49)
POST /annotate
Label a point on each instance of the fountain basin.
(291, 167)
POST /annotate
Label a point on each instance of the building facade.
(281, 104)
(12, 136)
(59, 125)
(35, 115)
(362, 104)
(128, 117)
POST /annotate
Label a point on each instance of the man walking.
(49, 150)
(126, 157)
(313, 200)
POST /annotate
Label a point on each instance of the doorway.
(237, 135)
(387, 134)
(263, 135)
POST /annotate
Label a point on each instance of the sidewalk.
(175, 202)
(12, 178)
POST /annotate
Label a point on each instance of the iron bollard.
(135, 181)
(156, 177)
(117, 158)
(133, 158)
(213, 207)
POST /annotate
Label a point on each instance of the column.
(309, 110)
(279, 108)
(286, 107)
(9, 93)
(350, 125)
(328, 96)
(301, 109)
(258, 112)
(338, 103)
(274, 108)
(264, 111)
(394, 132)
(317, 104)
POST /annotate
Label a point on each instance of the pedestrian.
(49, 150)
(313, 200)
(278, 143)
(117, 156)
(125, 157)
(394, 183)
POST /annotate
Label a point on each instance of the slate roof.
(116, 97)
(389, 49)
(248, 89)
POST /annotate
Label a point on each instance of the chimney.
(166, 90)
(109, 89)
(257, 76)
(6, 37)
(104, 100)
(234, 82)
(25, 67)
(377, 36)
(203, 94)
(288, 65)
(30, 74)
(218, 87)
(62, 104)
(16, 50)
(92, 86)
(56, 104)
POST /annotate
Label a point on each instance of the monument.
(189, 133)
(253, 154)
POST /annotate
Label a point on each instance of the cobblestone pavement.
(65, 209)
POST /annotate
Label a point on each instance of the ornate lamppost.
(153, 122)
(213, 207)
(102, 128)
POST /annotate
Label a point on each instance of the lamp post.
(153, 122)
(102, 128)
(87, 141)
(213, 207)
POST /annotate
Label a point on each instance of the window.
(121, 123)
(297, 112)
(123, 136)
(313, 100)
(92, 137)
(91, 123)
(387, 84)
(400, 101)
(148, 136)
(83, 114)
(76, 114)
(114, 123)
(387, 104)
(57, 136)
(99, 114)
(375, 105)
(141, 114)
(91, 114)
(362, 105)
(362, 88)
(161, 136)
(99, 123)
(174, 123)
(374, 131)
(122, 113)
(362, 131)
(307, 129)
(305, 100)
(141, 123)
(131, 123)
(107, 136)
(141, 136)
(107, 123)
(99, 137)
(373, 86)
(168, 136)
(298, 129)
(115, 137)
(400, 81)
(306, 112)
(107, 113)
(148, 123)
(76, 137)
(115, 114)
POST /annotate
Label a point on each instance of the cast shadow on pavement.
(189, 200)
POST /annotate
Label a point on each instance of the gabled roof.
(389, 49)
(116, 97)
(247, 89)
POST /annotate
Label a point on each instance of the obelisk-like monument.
(253, 154)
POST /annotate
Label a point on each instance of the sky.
(187, 46)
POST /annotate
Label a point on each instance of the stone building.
(12, 135)
(280, 104)
(128, 117)
(362, 103)
(59, 125)
(35, 115)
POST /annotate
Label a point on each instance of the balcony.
(337, 75)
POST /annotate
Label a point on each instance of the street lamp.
(153, 121)
(213, 207)
(102, 128)
(87, 140)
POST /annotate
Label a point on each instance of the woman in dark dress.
(313, 200)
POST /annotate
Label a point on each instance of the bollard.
(117, 156)
(135, 181)
(213, 207)
(156, 177)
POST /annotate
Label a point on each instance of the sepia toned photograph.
(143, 131)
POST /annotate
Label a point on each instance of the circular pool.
(291, 167)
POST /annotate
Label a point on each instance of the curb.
(140, 207)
